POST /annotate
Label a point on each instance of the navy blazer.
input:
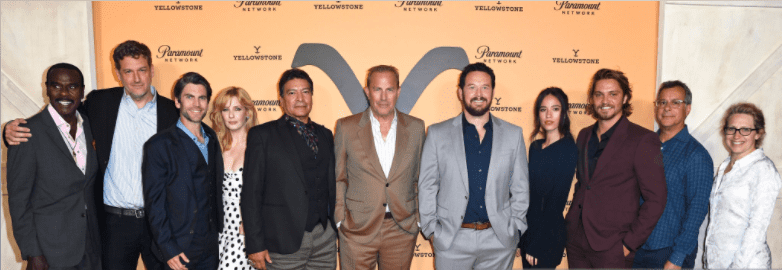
(170, 161)
(49, 198)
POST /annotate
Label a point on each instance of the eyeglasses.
(676, 103)
(742, 131)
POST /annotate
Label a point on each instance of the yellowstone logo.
(499, 7)
(257, 5)
(498, 108)
(178, 56)
(266, 105)
(257, 56)
(429, 6)
(179, 7)
(485, 54)
(338, 6)
(575, 59)
(574, 8)
(418, 254)
(328, 60)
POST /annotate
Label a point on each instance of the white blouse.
(741, 205)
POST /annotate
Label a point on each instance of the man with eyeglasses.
(688, 174)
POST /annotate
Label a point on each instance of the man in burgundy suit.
(618, 163)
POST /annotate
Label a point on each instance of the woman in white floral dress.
(743, 195)
(233, 114)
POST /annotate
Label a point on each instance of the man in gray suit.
(51, 180)
(473, 197)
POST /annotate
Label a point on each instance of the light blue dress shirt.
(201, 146)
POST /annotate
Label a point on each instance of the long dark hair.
(564, 120)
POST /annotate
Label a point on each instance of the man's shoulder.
(505, 125)
(637, 130)
(166, 136)
(351, 120)
(105, 93)
(446, 124)
(264, 128)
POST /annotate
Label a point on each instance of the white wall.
(727, 52)
(36, 35)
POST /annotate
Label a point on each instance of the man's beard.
(475, 111)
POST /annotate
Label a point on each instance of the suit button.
(579, 206)
(462, 217)
(465, 197)
(192, 232)
(83, 215)
(386, 184)
(589, 187)
(384, 205)
(195, 211)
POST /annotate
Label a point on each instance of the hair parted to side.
(624, 83)
(291, 74)
(133, 49)
(194, 78)
(221, 100)
(379, 69)
(751, 110)
(564, 119)
(672, 84)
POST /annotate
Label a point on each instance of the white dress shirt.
(741, 204)
(384, 148)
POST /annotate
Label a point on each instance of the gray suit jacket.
(443, 186)
(50, 200)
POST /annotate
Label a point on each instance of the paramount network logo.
(266, 105)
(419, 5)
(577, 108)
(169, 55)
(258, 5)
(485, 54)
(575, 8)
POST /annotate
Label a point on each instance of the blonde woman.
(233, 114)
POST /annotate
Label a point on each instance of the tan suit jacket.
(362, 187)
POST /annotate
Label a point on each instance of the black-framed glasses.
(742, 131)
(676, 103)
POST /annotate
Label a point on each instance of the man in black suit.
(183, 172)
(51, 180)
(122, 119)
(289, 185)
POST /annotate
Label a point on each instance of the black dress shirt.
(595, 148)
(478, 155)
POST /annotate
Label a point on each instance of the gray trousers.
(474, 249)
(318, 251)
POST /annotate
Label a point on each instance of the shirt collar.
(60, 122)
(296, 122)
(376, 123)
(756, 155)
(151, 103)
(486, 126)
(682, 136)
(181, 126)
(609, 132)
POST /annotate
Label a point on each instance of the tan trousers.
(392, 249)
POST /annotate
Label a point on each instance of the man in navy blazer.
(618, 162)
(50, 181)
(182, 175)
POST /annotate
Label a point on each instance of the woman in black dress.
(552, 165)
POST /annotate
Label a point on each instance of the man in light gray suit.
(473, 186)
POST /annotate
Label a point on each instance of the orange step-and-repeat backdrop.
(530, 46)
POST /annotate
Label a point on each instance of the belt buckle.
(138, 213)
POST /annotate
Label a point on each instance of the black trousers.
(124, 238)
(203, 253)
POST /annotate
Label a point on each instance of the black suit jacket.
(171, 167)
(48, 193)
(274, 196)
(102, 107)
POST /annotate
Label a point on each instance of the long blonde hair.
(221, 100)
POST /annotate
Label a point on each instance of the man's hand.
(175, 264)
(37, 262)
(259, 259)
(670, 265)
(534, 261)
(14, 134)
(626, 251)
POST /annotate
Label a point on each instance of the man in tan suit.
(378, 155)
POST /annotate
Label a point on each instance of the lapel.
(189, 150)
(400, 149)
(457, 136)
(367, 140)
(287, 143)
(494, 161)
(92, 160)
(54, 134)
(612, 149)
(110, 116)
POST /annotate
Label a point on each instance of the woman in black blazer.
(552, 165)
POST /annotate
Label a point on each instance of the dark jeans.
(645, 258)
(124, 238)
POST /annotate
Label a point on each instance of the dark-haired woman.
(552, 165)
